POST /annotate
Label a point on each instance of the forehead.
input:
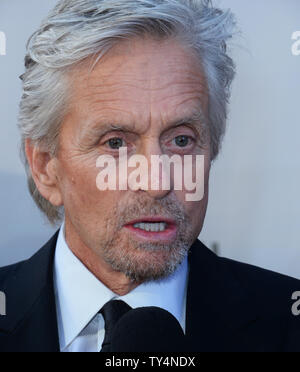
(140, 80)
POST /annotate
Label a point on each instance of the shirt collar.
(80, 295)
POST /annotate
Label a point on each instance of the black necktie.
(112, 311)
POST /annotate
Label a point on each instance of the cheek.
(83, 198)
(196, 209)
(79, 187)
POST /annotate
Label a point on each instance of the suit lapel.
(30, 323)
(218, 311)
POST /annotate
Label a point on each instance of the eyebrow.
(196, 119)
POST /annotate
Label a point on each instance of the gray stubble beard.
(149, 261)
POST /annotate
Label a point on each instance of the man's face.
(133, 98)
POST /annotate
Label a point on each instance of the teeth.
(151, 226)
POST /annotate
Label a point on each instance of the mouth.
(153, 228)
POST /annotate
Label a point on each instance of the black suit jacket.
(230, 306)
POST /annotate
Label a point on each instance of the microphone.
(148, 329)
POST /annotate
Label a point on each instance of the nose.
(160, 182)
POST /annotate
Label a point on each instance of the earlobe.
(55, 198)
(44, 172)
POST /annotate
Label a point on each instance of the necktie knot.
(112, 311)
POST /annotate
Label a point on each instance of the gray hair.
(77, 29)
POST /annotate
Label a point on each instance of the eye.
(115, 143)
(182, 141)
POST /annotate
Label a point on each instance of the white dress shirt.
(80, 296)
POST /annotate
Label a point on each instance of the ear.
(44, 172)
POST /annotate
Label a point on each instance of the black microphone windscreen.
(147, 329)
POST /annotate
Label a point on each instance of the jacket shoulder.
(257, 274)
(9, 271)
(38, 260)
(263, 284)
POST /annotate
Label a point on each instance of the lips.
(156, 228)
(152, 219)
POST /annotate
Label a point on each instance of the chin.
(147, 261)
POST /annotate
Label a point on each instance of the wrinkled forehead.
(140, 81)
